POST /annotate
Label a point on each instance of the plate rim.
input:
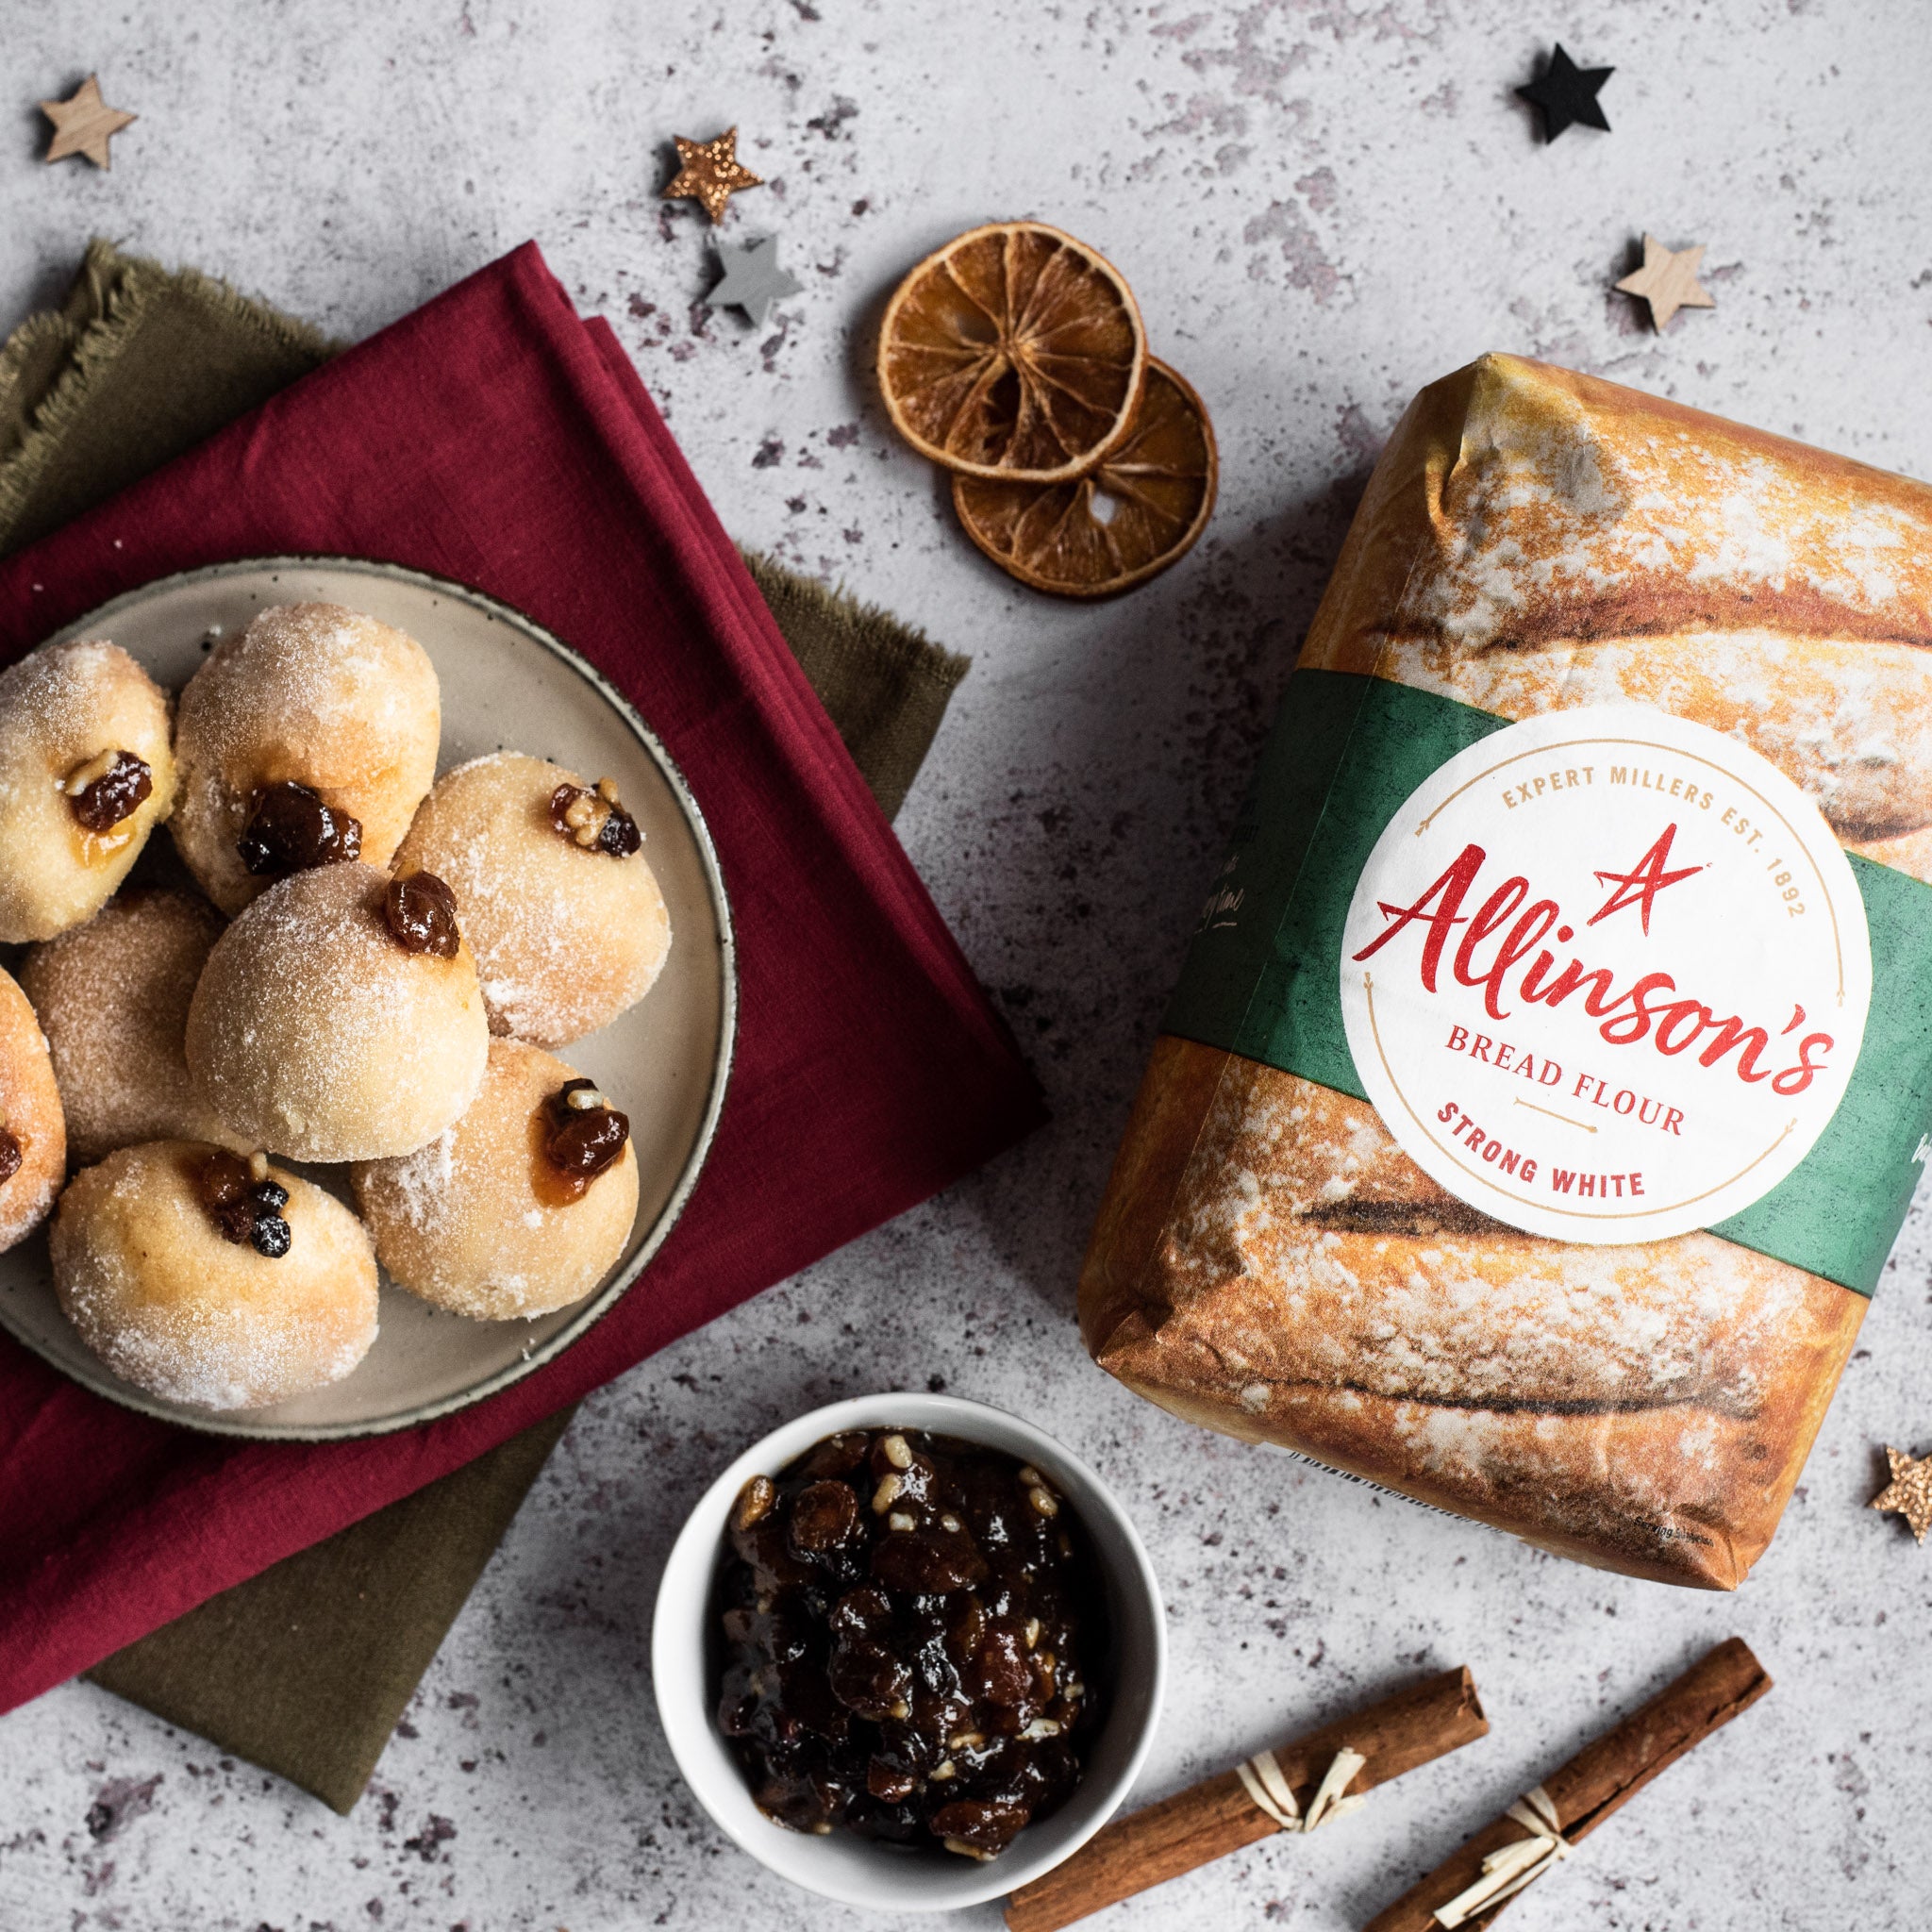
(233, 1423)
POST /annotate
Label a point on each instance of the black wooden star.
(1567, 93)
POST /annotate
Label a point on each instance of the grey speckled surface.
(1322, 206)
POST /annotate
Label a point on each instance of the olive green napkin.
(304, 1669)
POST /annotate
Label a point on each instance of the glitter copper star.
(84, 124)
(710, 171)
(1909, 1491)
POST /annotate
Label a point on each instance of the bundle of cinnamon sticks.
(1240, 1806)
(1324, 1773)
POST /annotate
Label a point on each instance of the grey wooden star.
(753, 279)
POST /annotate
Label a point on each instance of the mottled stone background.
(1322, 205)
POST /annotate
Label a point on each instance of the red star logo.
(1641, 885)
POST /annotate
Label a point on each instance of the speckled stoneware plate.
(506, 683)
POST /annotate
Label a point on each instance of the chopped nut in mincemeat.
(753, 1503)
(898, 1452)
(886, 1494)
(91, 772)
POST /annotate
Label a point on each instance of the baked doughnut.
(322, 1029)
(85, 776)
(499, 1216)
(112, 998)
(33, 1134)
(205, 1281)
(565, 916)
(308, 739)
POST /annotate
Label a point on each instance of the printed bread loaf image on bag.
(1550, 1071)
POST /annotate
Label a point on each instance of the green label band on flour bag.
(1606, 975)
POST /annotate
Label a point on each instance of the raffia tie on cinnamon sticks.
(1473, 1885)
(1269, 1786)
(1295, 1786)
(1506, 1871)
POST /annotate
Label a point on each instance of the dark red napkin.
(494, 438)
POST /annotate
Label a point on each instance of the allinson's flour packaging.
(1553, 1064)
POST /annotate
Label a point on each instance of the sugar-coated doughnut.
(312, 708)
(568, 927)
(180, 1308)
(85, 774)
(317, 1032)
(112, 999)
(482, 1221)
(33, 1133)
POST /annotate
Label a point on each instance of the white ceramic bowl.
(843, 1866)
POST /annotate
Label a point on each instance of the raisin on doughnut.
(560, 904)
(205, 1279)
(521, 1208)
(308, 741)
(112, 998)
(324, 1031)
(33, 1133)
(85, 774)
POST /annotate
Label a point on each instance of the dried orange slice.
(1126, 521)
(1015, 351)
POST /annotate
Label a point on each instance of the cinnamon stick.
(1216, 1817)
(1602, 1778)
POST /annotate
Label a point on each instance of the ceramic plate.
(506, 685)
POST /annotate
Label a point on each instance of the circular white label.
(1606, 974)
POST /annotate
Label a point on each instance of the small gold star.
(1668, 281)
(710, 171)
(1910, 1492)
(84, 124)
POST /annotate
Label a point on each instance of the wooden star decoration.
(1909, 1491)
(710, 172)
(753, 279)
(1566, 94)
(1668, 281)
(84, 124)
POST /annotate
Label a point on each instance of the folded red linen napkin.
(495, 438)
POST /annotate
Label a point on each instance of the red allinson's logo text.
(1500, 950)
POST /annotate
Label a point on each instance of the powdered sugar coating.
(170, 1305)
(31, 1111)
(315, 1034)
(565, 939)
(463, 1222)
(61, 707)
(112, 996)
(314, 694)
